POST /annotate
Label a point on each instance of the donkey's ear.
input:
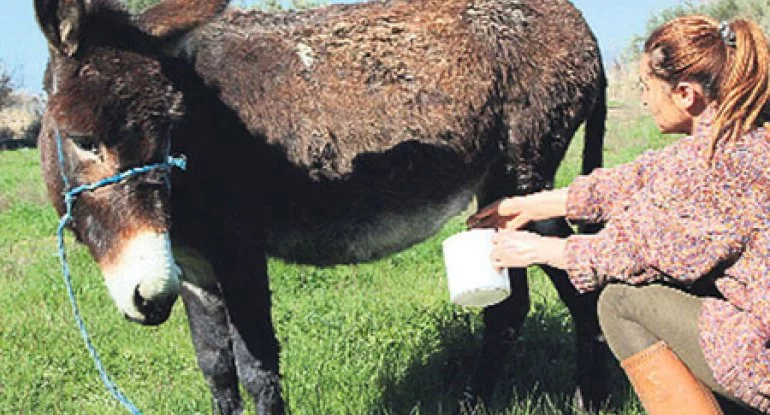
(173, 17)
(61, 21)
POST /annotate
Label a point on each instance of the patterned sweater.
(672, 215)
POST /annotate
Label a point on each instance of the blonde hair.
(730, 62)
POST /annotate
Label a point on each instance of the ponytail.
(730, 62)
(744, 92)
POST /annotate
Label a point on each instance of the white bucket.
(473, 281)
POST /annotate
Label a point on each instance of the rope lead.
(70, 196)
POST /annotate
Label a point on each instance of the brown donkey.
(337, 135)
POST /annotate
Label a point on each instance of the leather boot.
(665, 386)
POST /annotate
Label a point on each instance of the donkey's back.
(330, 84)
(388, 116)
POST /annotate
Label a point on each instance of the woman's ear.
(688, 96)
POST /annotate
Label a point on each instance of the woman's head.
(701, 61)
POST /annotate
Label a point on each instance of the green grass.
(376, 338)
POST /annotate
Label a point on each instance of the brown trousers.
(633, 318)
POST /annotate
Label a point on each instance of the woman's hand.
(519, 249)
(516, 212)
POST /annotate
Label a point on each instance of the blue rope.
(70, 196)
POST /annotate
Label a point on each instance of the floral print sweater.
(673, 214)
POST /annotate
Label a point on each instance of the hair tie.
(727, 33)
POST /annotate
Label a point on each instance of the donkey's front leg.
(247, 297)
(502, 327)
(210, 329)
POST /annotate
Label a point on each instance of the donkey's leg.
(592, 352)
(247, 297)
(210, 331)
(502, 321)
(502, 325)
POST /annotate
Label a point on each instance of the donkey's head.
(113, 107)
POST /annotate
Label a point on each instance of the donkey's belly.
(350, 233)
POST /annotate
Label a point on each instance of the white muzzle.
(145, 266)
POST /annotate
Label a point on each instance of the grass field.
(376, 338)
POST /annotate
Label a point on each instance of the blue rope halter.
(70, 196)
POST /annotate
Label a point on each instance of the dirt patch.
(5, 203)
(32, 194)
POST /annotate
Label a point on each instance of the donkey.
(333, 136)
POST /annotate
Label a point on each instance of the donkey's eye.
(85, 142)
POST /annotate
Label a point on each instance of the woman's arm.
(597, 197)
(682, 241)
(592, 198)
(515, 212)
(643, 249)
(520, 249)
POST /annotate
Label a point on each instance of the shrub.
(6, 87)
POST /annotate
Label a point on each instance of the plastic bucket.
(473, 281)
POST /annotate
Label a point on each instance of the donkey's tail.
(593, 146)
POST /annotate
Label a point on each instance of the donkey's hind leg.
(503, 321)
(592, 352)
(210, 331)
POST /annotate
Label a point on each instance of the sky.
(24, 53)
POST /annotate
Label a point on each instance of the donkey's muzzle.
(155, 311)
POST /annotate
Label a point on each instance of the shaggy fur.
(337, 135)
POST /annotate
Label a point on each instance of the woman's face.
(661, 100)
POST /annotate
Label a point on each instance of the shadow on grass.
(537, 378)
(16, 144)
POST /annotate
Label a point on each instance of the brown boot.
(665, 386)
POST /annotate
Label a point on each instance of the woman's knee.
(611, 303)
(618, 313)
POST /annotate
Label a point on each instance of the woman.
(696, 209)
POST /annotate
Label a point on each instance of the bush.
(756, 10)
(6, 87)
(20, 115)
